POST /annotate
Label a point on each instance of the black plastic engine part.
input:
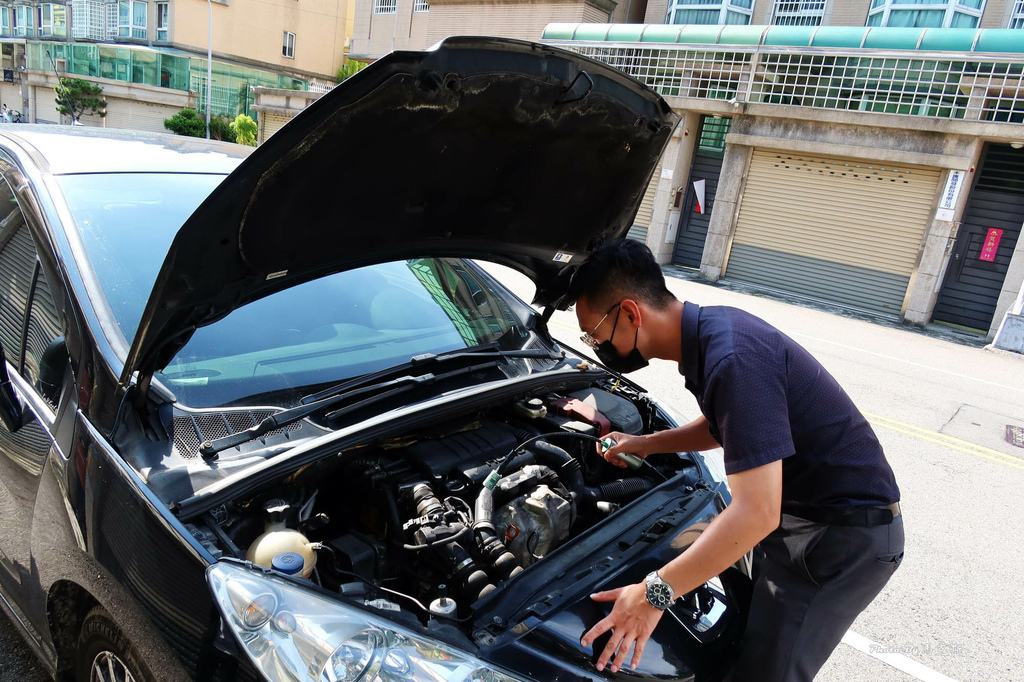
(463, 451)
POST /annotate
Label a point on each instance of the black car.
(264, 417)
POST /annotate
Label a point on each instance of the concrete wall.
(377, 34)
(997, 14)
(255, 31)
(847, 12)
(508, 19)
(657, 11)
(676, 162)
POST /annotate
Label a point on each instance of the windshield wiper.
(426, 359)
(278, 420)
(347, 391)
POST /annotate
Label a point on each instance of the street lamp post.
(209, 67)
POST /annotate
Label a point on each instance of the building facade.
(876, 169)
(382, 26)
(150, 57)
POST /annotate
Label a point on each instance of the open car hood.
(486, 148)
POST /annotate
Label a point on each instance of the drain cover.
(1015, 435)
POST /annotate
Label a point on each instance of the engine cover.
(535, 523)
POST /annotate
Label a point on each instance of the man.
(808, 477)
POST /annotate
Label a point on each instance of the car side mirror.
(11, 409)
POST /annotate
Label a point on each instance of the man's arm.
(694, 436)
(754, 512)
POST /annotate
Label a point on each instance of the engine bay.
(437, 519)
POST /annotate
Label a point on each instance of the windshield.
(324, 331)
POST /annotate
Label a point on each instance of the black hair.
(620, 269)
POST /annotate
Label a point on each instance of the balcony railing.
(951, 85)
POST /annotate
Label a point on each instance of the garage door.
(270, 123)
(644, 214)
(845, 231)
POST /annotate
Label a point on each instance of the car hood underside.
(481, 147)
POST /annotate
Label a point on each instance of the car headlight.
(291, 633)
(711, 457)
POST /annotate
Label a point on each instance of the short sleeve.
(747, 396)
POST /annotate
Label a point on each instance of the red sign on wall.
(991, 245)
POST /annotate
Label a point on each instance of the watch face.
(659, 594)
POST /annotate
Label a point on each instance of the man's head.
(617, 286)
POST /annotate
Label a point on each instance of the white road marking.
(909, 362)
(898, 661)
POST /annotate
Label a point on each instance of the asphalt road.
(952, 610)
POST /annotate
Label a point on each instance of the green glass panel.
(1000, 40)
(793, 36)
(592, 32)
(559, 31)
(699, 35)
(660, 33)
(839, 36)
(893, 38)
(625, 33)
(952, 39)
(740, 35)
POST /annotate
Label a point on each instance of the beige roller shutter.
(134, 115)
(642, 222)
(846, 231)
(271, 123)
(46, 106)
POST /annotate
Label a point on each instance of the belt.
(855, 516)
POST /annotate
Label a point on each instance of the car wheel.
(105, 654)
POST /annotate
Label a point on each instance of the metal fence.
(952, 85)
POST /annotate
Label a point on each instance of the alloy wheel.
(107, 667)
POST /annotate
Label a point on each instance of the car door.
(36, 359)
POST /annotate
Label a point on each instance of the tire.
(105, 654)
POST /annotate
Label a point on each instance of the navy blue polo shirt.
(766, 398)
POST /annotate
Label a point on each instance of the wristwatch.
(659, 592)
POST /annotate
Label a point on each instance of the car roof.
(80, 149)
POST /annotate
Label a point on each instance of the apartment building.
(382, 26)
(879, 169)
(150, 57)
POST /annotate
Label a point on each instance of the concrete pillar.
(723, 216)
(935, 251)
(1012, 291)
(669, 177)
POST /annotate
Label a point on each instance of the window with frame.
(53, 20)
(798, 12)
(709, 12)
(926, 13)
(385, 6)
(421, 6)
(288, 47)
(162, 16)
(24, 21)
(131, 19)
(1017, 17)
(5, 21)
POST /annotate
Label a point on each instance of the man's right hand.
(635, 445)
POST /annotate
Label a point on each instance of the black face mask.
(609, 355)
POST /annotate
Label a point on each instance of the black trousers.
(814, 580)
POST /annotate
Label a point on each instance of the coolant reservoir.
(277, 539)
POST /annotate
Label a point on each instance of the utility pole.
(209, 67)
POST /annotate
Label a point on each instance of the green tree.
(187, 122)
(76, 97)
(220, 129)
(245, 130)
(349, 69)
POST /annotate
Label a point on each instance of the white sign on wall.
(949, 196)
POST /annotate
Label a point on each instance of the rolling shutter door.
(272, 122)
(46, 106)
(846, 231)
(642, 222)
(133, 115)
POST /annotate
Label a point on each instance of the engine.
(447, 514)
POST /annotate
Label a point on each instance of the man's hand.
(632, 620)
(634, 445)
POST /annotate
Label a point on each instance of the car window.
(341, 326)
(45, 351)
(17, 268)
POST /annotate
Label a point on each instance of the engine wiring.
(498, 472)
